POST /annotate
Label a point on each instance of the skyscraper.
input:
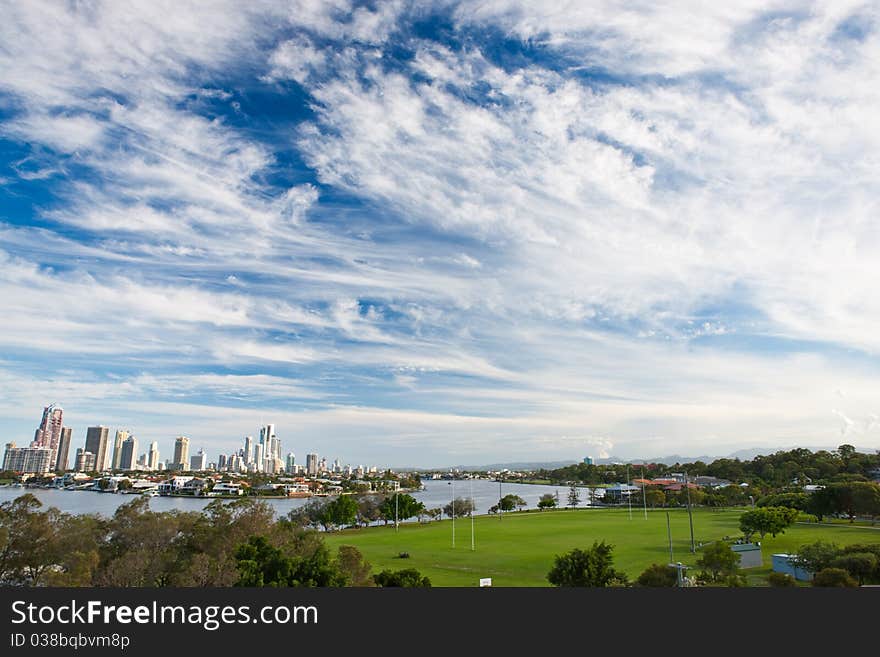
(198, 462)
(48, 434)
(96, 443)
(121, 436)
(181, 453)
(128, 454)
(153, 456)
(269, 441)
(312, 464)
(248, 450)
(63, 450)
(258, 457)
(291, 463)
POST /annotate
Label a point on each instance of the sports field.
(518, 550)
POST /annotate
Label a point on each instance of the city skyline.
(434, 233)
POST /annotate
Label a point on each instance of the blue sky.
(417, 233)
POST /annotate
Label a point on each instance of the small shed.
(787, 563)
(749, 554)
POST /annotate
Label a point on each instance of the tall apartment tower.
(181, 453)
(48, 434)
(85, 461)
(121, 436)
(96, 443)
(269, 441)
(258, 457)
(248, 450)
(198, 462)
(128, 454)
(153, 456)
(312, 464)
(63, 449)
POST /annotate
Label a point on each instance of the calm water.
(436, 494)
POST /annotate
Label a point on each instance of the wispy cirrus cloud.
(422, 230)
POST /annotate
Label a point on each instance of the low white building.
(173, 485)
(226, 488)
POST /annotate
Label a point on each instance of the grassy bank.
(518, 550)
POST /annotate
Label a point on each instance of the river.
(437, 493)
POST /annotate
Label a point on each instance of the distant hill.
(741, 454)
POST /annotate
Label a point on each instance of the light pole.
(644, 499)
(690, 513)
(500, 479)
(471, 481)
(629, 499)
(453, 510)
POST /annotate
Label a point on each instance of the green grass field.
(519, 549)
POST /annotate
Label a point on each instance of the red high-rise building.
(49, 432)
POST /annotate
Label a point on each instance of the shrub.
(658, 575)
(780, 579)
(836, 577)
(408, 578)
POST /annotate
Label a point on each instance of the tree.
(547, 501)
(767, 520)
(655, 497)
(592, 567)
(311, 514)
(658, 575)
(718, 562)
(817, 556)
(780, 580)
(369, 509)
(460, 507)
(798, 501)
(510, 502)
(573, 497)
(401, 506)
(340, 512)
(356, 568)
(861, 565)
(408, 578)
(834, 577)
(262, 564)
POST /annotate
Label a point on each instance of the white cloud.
(539, 249)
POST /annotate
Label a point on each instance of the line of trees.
(226, 544)
(764, 474)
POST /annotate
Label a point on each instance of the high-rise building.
(312, 464)
(36, 460)
(181, 453)
(96, 443)
(48, 434)
(248, 450)
(61, 457)
(291, 463)
(121, 436)
(128, 454)
(221, 462)
(198, 462)
(153, 456)
(258, 457)
(85, 461)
